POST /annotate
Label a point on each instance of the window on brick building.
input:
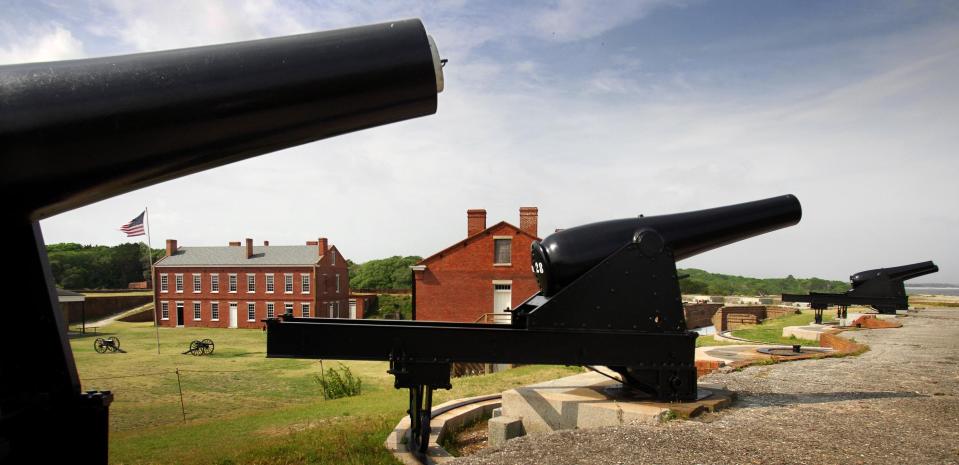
(250, 311)
(306, 310)
(164, 310)
(270, 310)
(233, 282)
(288, 308)
(331, 310)
(269, 283)
(305, 283)
(333, 258)
(502, 251)
(337, 283)
(214, 282)
(164, 282)
(196, 311)
(197, 284)
(215, 311)
(179, 282)
(288, 283)
(250, 282)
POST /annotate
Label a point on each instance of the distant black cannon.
(201, 347)
(882, 289)
(110, 344)
(609, 296)
(80, 131)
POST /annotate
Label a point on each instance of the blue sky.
(588, 110)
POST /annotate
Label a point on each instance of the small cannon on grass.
(204, 347)
(111, 344)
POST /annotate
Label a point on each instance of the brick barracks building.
(239, 285)
(478, 278)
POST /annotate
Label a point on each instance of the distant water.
(706, 330)
(932, 290)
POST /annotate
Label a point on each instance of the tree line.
(78, 266)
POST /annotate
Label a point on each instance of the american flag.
(135, 226)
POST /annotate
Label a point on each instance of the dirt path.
(897, 403)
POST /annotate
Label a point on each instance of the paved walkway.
(897, 403)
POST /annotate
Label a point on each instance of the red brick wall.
(722, 317)
(322, 292)
(700, 315)
(458, 286)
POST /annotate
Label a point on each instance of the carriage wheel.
(209, 346)
(116, 343)
(195, 348)
(99, 346)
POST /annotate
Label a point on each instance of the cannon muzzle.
(562, 257)
(897, 273)
(100, 127)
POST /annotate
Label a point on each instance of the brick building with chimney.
(239, 285)
(480, 277)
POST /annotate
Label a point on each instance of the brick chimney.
(249, 248)
(170, 247)
(322, 243)
(475, 221)
(529, 220)
(234, 243)
(312, 243)
(266, 243)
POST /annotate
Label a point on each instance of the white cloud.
(42, 43)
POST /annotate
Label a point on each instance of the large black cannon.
(76, 132)
(882, 289)
(609, 295)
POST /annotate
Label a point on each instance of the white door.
(233, 314)
(353, 309)
(502, 301)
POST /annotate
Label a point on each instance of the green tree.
(387, 273)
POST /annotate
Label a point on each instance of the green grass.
(771, 330)
(244, 408)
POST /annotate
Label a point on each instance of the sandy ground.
(897, 403)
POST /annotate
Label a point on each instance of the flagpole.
(152, 280)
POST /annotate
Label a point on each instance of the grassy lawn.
(244, 408)
(771, 330)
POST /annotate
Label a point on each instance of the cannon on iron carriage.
(883, 289)
(80, 131)
(200, 347)
(110, 344)
(609, 295)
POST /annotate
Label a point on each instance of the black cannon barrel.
(562, 257)
(900, 273)
(99, 127)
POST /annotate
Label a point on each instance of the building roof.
(439, 254)
(64, 295)
(236, 255)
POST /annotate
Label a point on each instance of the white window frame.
(288, 283)
(270, 284)
(197, 283)
(305, 309)
(337, 283)
(248, 305)
(330, 305)
(231, 287)
(164, 283)
(270, 310)
(164, 310)
(215, 311)
(179, 283)
(250, 276)
(288, 307)
(333, 258)
(503, 238)
(304, 283)
(215, 283)
(197, 311)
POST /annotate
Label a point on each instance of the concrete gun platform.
(591, 400)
